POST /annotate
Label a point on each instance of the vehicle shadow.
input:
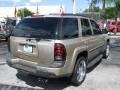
(49, 84)
(45, 84)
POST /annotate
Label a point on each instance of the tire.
(79, 72)
(107, 51)
(21, 72)
(114, 31)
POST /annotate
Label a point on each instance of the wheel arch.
(73, 75)
(108, 40)
(81, 54)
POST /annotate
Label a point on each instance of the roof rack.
(92, 16)
(70, 14)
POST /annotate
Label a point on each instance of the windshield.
(113, 23)
(45, 28)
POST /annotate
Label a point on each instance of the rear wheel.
(79, 72)
(21, 72)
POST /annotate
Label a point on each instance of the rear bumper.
(36, 69)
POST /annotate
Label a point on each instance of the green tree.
(24, 12)
(117, 7)
(94, 9)
(109, 13)
(104, 3)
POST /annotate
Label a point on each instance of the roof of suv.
(60, 15)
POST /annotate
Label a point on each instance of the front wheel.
(107, 51)
(79, 72)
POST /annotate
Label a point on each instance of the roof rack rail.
(70, 14)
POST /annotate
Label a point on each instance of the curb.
(114, 37)
(2, 63)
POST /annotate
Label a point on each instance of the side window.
(95, 28)
(86, 29)
(69, 28)
(118, 23)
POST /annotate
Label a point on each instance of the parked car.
(110, 25)
(102, 23)
(118, 26)
(113, 25)
(54, 46)
(2, 30)
(2, 34)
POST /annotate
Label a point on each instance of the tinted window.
(45, 28)
(118, 23)
(95, 28)
(69, 28)
(86, 30)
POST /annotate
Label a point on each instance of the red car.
(113, 25)
(110, 25)
(118, 26)
(100, 23)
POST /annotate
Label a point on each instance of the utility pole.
(74, 7)
(23, 12)
(37, 10)
(88, 6)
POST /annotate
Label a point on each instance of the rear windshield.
(44, 28)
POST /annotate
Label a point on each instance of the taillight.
(59, 52)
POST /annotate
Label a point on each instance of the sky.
(80, 4)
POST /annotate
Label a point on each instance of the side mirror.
(13, 22)
(104, 31)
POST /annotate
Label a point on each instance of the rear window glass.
(44, 28)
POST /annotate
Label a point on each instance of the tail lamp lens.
(59, 52)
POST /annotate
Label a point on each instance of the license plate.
(28, 48)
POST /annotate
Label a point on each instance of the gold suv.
(55, 46)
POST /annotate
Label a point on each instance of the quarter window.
(69, 28)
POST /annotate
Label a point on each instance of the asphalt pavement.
(3, 52)
(103, 76)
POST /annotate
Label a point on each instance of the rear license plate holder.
(28, 48)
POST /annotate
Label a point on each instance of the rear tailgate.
(41, 52)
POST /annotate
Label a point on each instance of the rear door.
(88, 38)
(98, 39)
